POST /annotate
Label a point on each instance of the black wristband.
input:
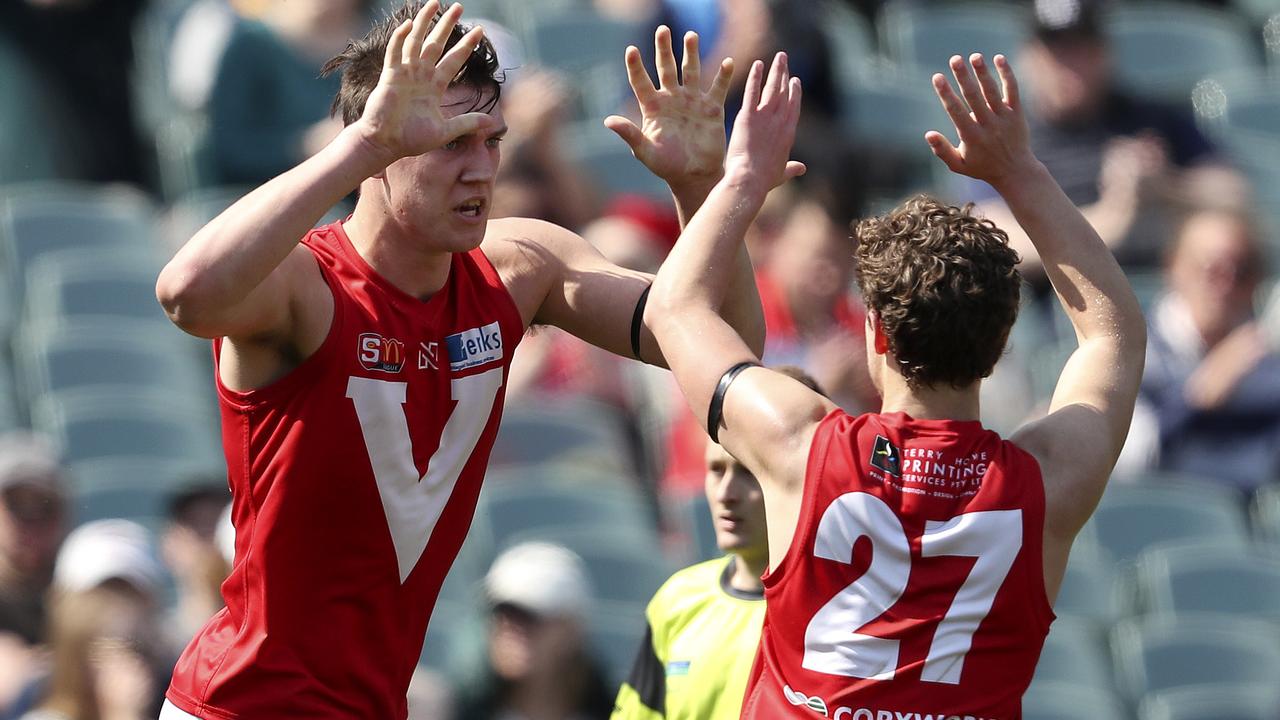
(717, 398)
(637, 321)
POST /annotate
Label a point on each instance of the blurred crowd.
(180, 97)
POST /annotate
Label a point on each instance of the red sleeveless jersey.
(913, 588)
(354, 479)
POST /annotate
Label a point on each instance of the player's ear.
(877, 333)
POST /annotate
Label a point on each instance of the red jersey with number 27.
(354, 479)
(914, 585)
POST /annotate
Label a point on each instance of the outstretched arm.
(767, 419)
(237, 277)
(1078, 442)
(681, 139)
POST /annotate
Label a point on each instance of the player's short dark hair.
(362, 60)
(945, 286)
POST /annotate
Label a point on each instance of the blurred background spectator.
(1116, 155)
(189, 547)
(79, 53)
(537, 665)
(267, 109)
(1211, 390)
(33, 521)
(108, 658)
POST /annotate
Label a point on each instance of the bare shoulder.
(1074, 473)
(527, 255)
(524, 241)
(296, 329)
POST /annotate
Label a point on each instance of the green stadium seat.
(135, 488)
(563, 431)
(1064, 701)
(1133, 517)
(1162, 49)
(588, 49)
(10, 403)
(131, 355)
(1075, 654)
(444, 633)
(1265, 512)
(615, 631)
(1212, 703)
(91, 283)
(107, 422)
(1161, 653)
(608, 163)
(49, 217)
(891, 111)
(1194, 578)
(579, 42)
(1090, 590)
(510, 512)
(924, 36)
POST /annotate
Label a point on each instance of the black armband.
(717, 399)
(637, 321)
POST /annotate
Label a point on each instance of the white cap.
(28, 458)
(543, 578)
(103, 550)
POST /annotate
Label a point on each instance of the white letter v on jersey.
(412, 504)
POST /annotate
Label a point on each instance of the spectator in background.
(108, 661)
(703, 624)
(33, 520)
(1210, 398)
(536, 178)
(190, 551)
(83, 51)
(746, 29)
(1112, 153)
(268, 109)
(100, 650)
(537, 665)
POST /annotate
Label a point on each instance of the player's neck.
(937, 403)
(399, 259)
(747, 571)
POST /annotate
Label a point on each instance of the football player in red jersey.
(361, 365)
(914, 555)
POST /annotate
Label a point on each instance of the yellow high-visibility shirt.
(698, 650)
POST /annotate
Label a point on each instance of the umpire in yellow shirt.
(704, 622)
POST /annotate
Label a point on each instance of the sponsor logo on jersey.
(844, 712)
(474, 347)
(814, 703)
(381, 354)
(428, 356)
(676, 668)
(886, 456)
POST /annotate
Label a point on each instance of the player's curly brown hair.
(945, 286)
(361, 66)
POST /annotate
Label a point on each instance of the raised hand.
(681, 133)
(403, 116)
(993, 133)
(766, 126)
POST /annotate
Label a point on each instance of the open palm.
(681, 136)
(403, 116)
